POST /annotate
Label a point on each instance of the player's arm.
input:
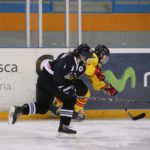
(99, 73)
(93, 68)
(63, 67)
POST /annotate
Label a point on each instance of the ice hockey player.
(97, 77)
(57, 79)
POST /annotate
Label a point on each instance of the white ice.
(92, 135)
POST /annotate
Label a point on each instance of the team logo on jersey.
(81, 68)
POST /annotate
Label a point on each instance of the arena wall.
(96, 22)
(128, 70)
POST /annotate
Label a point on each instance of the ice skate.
(14, 113)
(65, 130)
(55, 110)
(78, 116)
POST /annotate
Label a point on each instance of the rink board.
(128, 71)
(90, 114)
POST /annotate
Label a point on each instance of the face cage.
(104, 59)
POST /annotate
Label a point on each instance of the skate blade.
(10, 115)
(66, 135)
(53, 114)
(77, 120)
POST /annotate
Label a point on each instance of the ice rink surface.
(92, 135)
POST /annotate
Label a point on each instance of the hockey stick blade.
(140, 116)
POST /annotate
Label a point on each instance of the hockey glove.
(110, 90)
(70, 76)
(66, 92)
(100, 74)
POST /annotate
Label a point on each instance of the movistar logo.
(119, 84)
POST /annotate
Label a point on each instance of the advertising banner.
(18, 74)
(129, 73)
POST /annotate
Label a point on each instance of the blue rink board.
(121, 66)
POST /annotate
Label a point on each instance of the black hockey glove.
(67, 92)
(70, 76)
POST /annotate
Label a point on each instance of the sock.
(65, 116)
(81, 102)
(29, 109)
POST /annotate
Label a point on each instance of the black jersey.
(66, 65)
(66, 71)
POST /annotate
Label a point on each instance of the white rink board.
(18, 75)
(18, 72)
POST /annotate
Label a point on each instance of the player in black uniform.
(96, 76)
(57, 79)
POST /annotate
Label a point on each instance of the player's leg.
(66, 113)
(56, 106)
(82, 90)
(41, 106)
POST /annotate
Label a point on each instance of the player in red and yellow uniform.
(96, 76)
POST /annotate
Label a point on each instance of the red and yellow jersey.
(90, 69)
(92, 63)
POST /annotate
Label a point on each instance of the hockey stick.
(137, 117)
(117, 100)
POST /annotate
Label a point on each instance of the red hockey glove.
(110, 90)
(100, 74)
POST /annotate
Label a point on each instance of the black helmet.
(84, 50)
(101, 51)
